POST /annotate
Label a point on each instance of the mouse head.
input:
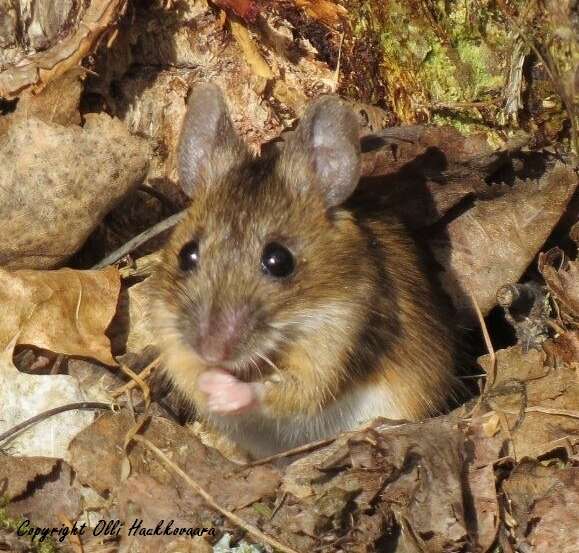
(265, 256)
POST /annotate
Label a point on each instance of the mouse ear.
(327, 142)
(208, 145)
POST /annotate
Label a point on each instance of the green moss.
(11, 524)
(439, 74)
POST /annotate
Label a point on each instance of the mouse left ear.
(208, 145)
(327, 143)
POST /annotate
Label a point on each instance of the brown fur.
(359, 313)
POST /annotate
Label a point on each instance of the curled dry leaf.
(494, 242)
(59, 182)
(563, 281)
(55, 54)
(63, 311)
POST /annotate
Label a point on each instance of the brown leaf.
(535, 401)
(563, 282)
(494, 242)
(16, 473)
(63, 311)
(51, 496)
(544, 501)
(59, 183)
(101, 445)
(404, 465)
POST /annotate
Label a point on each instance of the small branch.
(252, 530)
(139, 380)
(56, 411)
(301, 449)
(140, 239)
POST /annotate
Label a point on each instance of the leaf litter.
(497, 209)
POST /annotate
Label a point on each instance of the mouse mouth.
(247, 368)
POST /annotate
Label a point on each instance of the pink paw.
(227, 395)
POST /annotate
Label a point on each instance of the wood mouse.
(284, 311)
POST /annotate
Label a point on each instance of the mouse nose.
(219, 333)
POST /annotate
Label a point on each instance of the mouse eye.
(277, 261)
(189, 256)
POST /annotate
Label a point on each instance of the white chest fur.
(263, 436)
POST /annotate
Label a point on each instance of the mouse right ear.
(208, 145)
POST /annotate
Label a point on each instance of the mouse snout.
(220, 333)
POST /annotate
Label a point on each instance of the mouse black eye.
(189, 256)
(277, 260)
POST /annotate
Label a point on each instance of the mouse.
(285, 311)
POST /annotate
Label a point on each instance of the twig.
(547, 411)
(301, 449)
(147, 398)
(142, 376)
(252, 530)
(140, 239)
(51, 412)
(489, 345)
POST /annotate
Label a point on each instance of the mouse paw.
(225, 394)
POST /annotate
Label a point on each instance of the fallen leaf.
(563, 282)
(64, 311)
(494, 242)
(544, 500)
(16, 473)
(536, 401)
(58, 183)
(49, 496)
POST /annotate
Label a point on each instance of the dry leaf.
(563, 281)
(535, 401)
(49, 496)
(63, 311)
(16, 473)
(58, 183)
(544, 501)
(494, 242)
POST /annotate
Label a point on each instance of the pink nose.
(219, 333)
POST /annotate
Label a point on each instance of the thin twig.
(56, 411)
(143, 375)
(547, 411)
(140, 239)
(490, 380)
(301, 449)
(147, 398)
(252, 530)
